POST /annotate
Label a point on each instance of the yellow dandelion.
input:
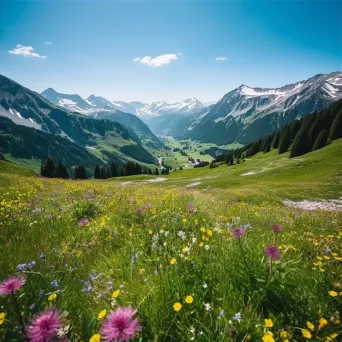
(173, 261)
(268, 323)
(189, 299)
(185, 220)
(142, 271)
(202, 229)
(284, 334)
(310, 325)
(333, 293)
(150, 232)
(177, 306)
(95, 338)
(210, 232)
(52, 297)
(268, 338)
(116, 294)
(2, 317)
(323, 322)
(201, 244)
(102, 314)
(306, 334)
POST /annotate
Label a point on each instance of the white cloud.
(223, 58)
(26, 51)
(180, 54)
(157, 61)
(48, 43)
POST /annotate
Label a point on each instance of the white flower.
(205, 285)
(194, 240)
(207, 306)
(206, 247)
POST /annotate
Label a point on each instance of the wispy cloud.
(157, 61)
(48, 43)
(26, 51)
(222, 58)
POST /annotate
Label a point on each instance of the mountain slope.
(246, 114)
(106, 139)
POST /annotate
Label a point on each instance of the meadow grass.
(151, 246)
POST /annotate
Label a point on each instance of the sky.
(167, 50)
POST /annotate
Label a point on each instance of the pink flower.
(272, 252)
(238, 232)
(120, 325)
(276, 228)
(44, 326)
(83, 222)
(11, 285)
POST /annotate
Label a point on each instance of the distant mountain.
(98, 107)
(246, 114)
(104, 139)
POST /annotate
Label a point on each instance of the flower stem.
(243, 254)
(19, 316)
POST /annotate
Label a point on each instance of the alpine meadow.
(133, 211)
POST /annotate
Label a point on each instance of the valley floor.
(202, 255)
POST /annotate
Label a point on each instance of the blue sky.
(94, 44)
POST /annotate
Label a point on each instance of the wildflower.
(42, 257)
(323, 322)
(2, 317)
(238, 232)
(150, 232)
(102, 314)
(268, 323)
(276, 228)
(272, 252)
(44, 326)
(237, 317)
(221, 314)
(116, 294)
(52, 297)
(333, 293)
(21, 268)
(83, 222)
(201, 244)
(284, 334)
(268, 337)
(32, 264)
(120, 325)
(11, 285)
(306, 334)
(32, 307)
(310, 325)
(177, 306)
(332, 337)
(54, 283)
(205, 285)
(41, 293)
(95, 338)
(142, 271)
(207, 306)
(189, 299)
(139, 211)
(173, 261)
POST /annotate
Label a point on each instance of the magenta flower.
(238, 232)
(44, 326)
(11, 285)
(83, 222)
(120, 325)
(272, 252)
(139, 211)
(276, 228)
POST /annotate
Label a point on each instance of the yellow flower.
(177, 306)
(268, 323)
(173, 261)
(116, 294)
(333, 293)
(150, 232)
(306, 334)
(210, 232)
(142, 271)
(268, 338)
(102, 314)
(284, 334)
(332, 336)
(248, 337)
(326, 257)
(323, 322)
(310, 325)
(189, 299)
(2, 317)
(95, 338)
(201, 244)
(185, 220)
(52, 297)
(202, 229)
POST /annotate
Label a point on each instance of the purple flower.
(120, 325)
(272, 252)
(148, 206)
(11, 285)
(238, 232)
(42, 257)
(139, 211)
(83, 222)
(276, 228)
(54, 283)
(21, 268)
(44, 326)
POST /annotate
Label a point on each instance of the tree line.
(300, 137)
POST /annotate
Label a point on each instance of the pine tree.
(103, 173)
(113, 170)
(97, 172)
(294, 128)
(76, 173)
(48, 169)
(156, 172)
(285, 141)
(149, 171)
(321, 140)
(336, 127)
(276, 138)
(65, 173)
(59, 170)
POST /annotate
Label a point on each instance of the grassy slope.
(315, 175)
